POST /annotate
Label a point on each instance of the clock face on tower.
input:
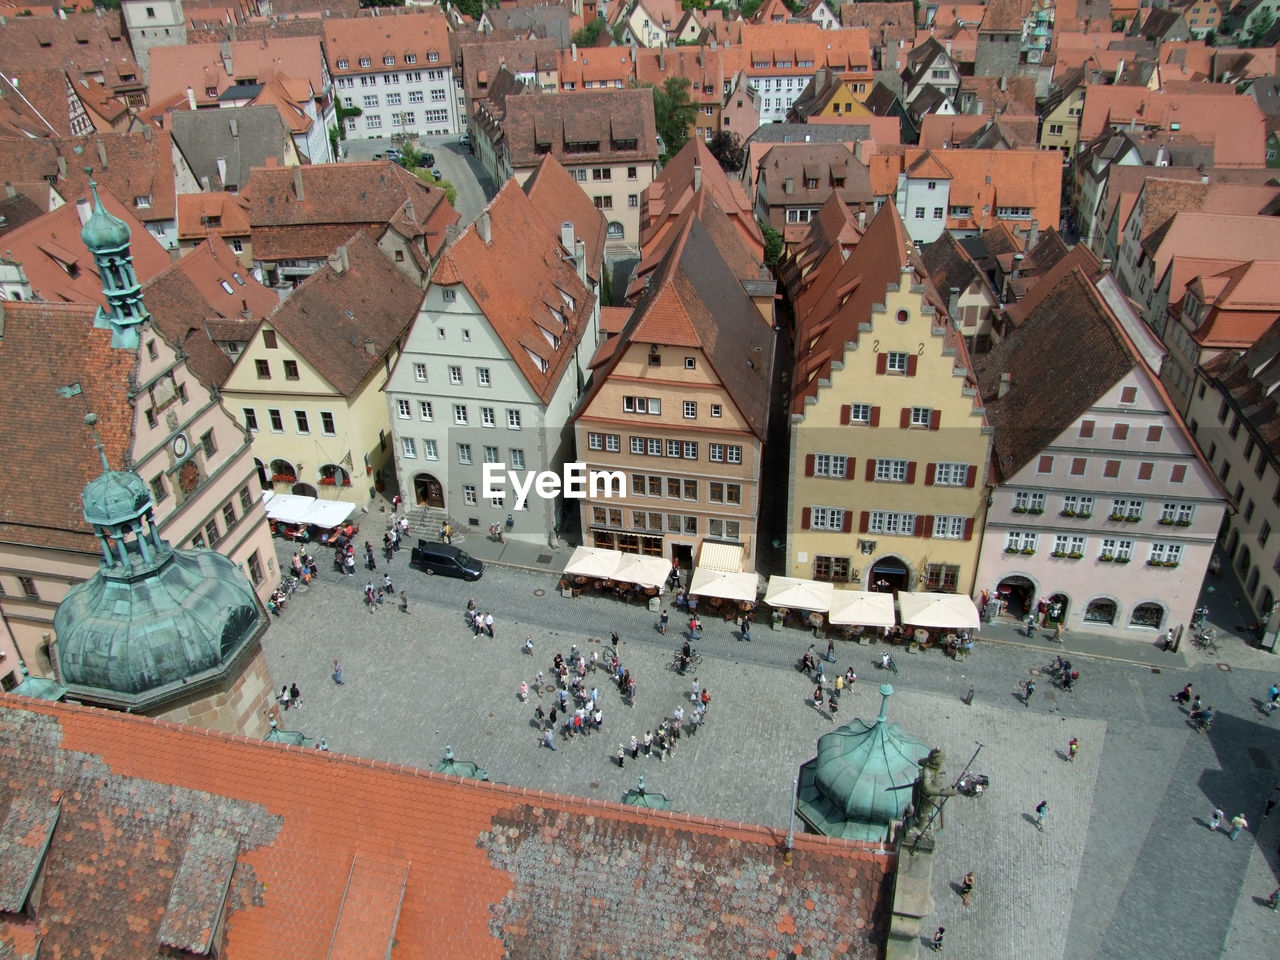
(188, 477)
(180, 446)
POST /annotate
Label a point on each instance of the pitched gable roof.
(529, 292)
(689, 171)
(558, 200)
(344, 317)
(1070, 340)
(535, 124)
(225, 145)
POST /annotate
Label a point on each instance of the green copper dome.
(861, 779)
(103, 232)
(115, 497)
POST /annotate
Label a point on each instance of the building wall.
(33, 582)
(960, 438)
(1060, 129)
(998, 54)
(153, 23)
(615, 188)
(919, 204)
(1077, 463)
(672, 382)
(240, 707)
(424, 91)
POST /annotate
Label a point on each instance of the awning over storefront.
(723, 584)
(798, 594)
(289, 508)
(593, 562)
(722, 556)
(860, 608)
(952, 610)
(644, 571)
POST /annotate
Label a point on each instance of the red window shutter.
(911, 364)
(882, 362)
(808, 465)
(1154, 433)
(1179, 473)
(968, 528)
(928, 525)
(847, 525)
(1145, 470)
(911, 471)
(864, 521)
(1077, 466)
(1045, 465)
(875, 416)
(929, 473)
(904, 421)
(1086, 428)
(935, 419)
(1129, 395)
(804, 518)
(919, 530)
(1111, 468)
(972, 477)
(849, 468)
(871, 468)
(845, 412)
(1120, 431)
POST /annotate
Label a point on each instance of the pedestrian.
(1073, 747)
(528, 645)
(831, 650)
(1057, 631)
(648, 743)
(839, 685)
(349, 564)
(831, 707)
(695, 691)
(937, 939)
(386, 584)
(541, 716)
(1042, 811)
(663, 620)
(1215, 818)
(404, 602)
(284, 697)
(1271, 801)
(745, 632)
(369, 561)
(966, 888)
(1238, 823)
(551, 718)
(817, 697)
(1028, 689)
(295, 696)
(337, 673)
(1273, 699)
(1183, 696)
(488, 624)
(613, 639)
(706, 698)
(549, 739)
(296, 563)
(622, 756)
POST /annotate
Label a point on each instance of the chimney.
(235, 127)
(580, 254)
(245, 311)
(633, 53)
(338, 260)
(102, 154)
(482, 228)
(450, 234)
(298, 188)
(10, 190)
(205, 185)
(573, 52)
(662, 59)
(1105, 267)
(1033, 234)
(62, 168)
(83, 209)
(953, 305)
(862, 220)
(697, 176)
(1204, 178)
(1003, 83)
(947, 44)
(222, 168)
(225, 50)
(409, 212)
(369, 347)
(566, 234)
(1005, 382)
(191, 98)
(1017, 264)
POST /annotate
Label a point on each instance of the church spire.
(107, 238)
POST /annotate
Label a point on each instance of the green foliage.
(450, 191)
(606, 286)
(589, 34)
(472, 8)
(693, 4)
(772, 244)
(748, 8)
(727, 148)
(410, 156)
(382, 3)
(673, 111)
(107, 4)
(1262, 23)
(618, 30)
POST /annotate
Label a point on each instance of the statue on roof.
(928, 794)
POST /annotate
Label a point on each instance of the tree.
(450, 191)
(590, 33)
(1261, 26)
(673, 111)
(727, 148)
(772, 244)
(748, 8)
(410, 157)
(474, 8)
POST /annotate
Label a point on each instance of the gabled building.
(834, 228)
(972, 301)
(203, 215)
(889, 26)
(889, 441)
(1060, 123)
(793, 180)
(88, 46)
(223, 146)
(309, 383)
(679, 400)
(827, 95)
(929, 64)
(1000, 39)
(495, 361)
(1101, 504)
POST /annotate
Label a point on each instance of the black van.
(446, 560)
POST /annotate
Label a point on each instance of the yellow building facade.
(889, 442)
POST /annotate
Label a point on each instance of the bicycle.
(1206, 640)
(694, 660)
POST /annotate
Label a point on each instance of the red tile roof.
(421, 35)
(536, 123)
(196, 210)
(479, 870)
(201, 66)
(558, 199)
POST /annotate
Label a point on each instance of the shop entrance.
(1017, 595)
(889, 576)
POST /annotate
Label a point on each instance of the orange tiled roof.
(667, 197)
(326, 842)
(558, 199)
(419, 35)
(847, 51)
(1030, 179)
(196, 210)
(200, 66)
(606, 117)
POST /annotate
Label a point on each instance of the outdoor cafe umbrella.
(946, 610)
(642, 571)
(593, 562)
(727, 586)
(798, 594)
(861, 608)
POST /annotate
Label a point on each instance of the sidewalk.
(521, 554)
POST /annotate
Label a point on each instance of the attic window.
(388, 61)
(239, 279)
(195, 915)
(343, 64)
(410, 58)
(366, 62)
(433, 57)
(143, 201)
(226, 286)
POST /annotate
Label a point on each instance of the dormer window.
(388, 61)
(433, 57)
(142, 202)
(411, 58)
(811, 183)
(366, 63)
(343, 64)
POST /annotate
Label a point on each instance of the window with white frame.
(673, 448)
(1116, 549)
(860, 413)
(947, 527)
(1067, 545)
(429, 450)
(487, 417)
(1016, 541)
(641, 405)
(612, 443)
(717, 410)
(826, 518)
(1126, 509)
(1027, 501)
(690, 451)
(950, 474)
(637, 446)
(425, 410)
(830, 465)
(1179, 513)
(464, 453)
(1075, 505)
(920, 416)
(893, 471)
(891, 523)
(896, 361)
(490, 454)
(496, 502)
(469, 494)
(715, 452)
(455, 376)
(408, 448)
(513, 419)
(690, 409)
(482, 376)
(517, 459)
(420, 372)
(460, 414)
(595, 441)
(733, 453)
(1167, 554)
(655, 447)
(404, 409)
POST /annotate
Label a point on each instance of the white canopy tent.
(723, 584)
(949, 610)
(644, 571)
(861, 608)
(290, 508)
(798, 594)
(593, 562)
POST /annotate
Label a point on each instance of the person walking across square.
(1042, 811)
(1238, 823)
(1215, 818)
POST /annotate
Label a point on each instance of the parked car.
(446, 560)
(428, 160)
(437, 174)
(464, 140)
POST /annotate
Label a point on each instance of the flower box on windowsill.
(1012, 550)
(1035, 511)
(283, 478)
(1166, 522)
(1019, 509)
(1106, 558)
(1075, 555)
(1132, 519)
(1122, 559)
(1162, 563)
(1083, 516)
(1116, 517)
(1182, 523)
(1066, 513)
(1060, 554)
(1027, 551)
(328, 481)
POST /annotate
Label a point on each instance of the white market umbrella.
(797, 594)
(949, 610)
(593, 562)
(861, 608)
(727, 586)
(644, 571)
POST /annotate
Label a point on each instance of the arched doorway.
(1149, 614)
(889, 575)
(304, 490)
(1058, 604)
(428, 491)
(282, 471)
(264, 479)
(1017, 596)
